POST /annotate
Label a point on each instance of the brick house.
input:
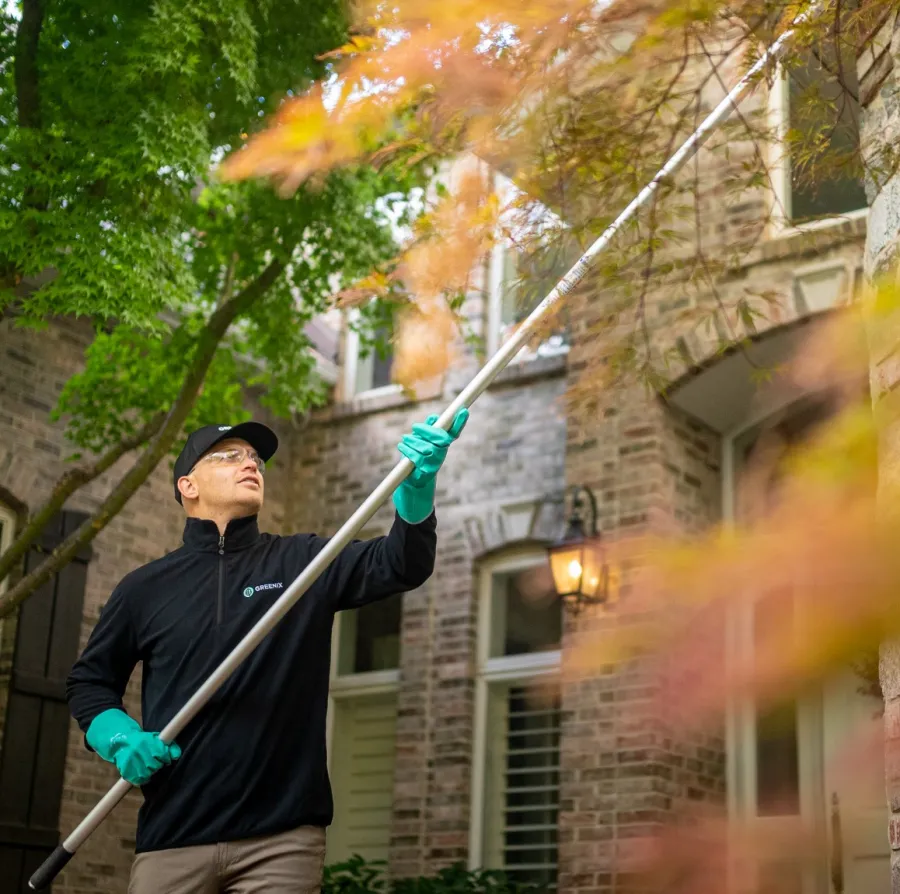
(461, 729)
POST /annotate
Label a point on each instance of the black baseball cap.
(259, 436)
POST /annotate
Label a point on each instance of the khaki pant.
(288, 863)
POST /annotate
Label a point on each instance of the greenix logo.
(249, 591)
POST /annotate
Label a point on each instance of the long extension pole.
(54, 864)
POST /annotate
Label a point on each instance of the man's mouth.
(250, 480)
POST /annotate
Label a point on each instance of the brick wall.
(32, 450)
(628, 766)
(510, 451)
(624, 767)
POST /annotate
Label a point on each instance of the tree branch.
(228, 288)
(207, 344)
(69, 482)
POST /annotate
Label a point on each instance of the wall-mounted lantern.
(578, 560)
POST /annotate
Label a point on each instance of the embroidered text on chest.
(249, 591)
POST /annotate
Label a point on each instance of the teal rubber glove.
(119, 739)
(427, 448)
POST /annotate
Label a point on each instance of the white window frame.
(779, 165)
(505, 669)
(7, 533)
(351, 366)
(495, 298)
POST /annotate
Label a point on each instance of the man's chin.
(250, 503)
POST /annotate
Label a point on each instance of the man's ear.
(187, 488)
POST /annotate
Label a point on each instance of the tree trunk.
(69, 482)
(205, 348)
(881, 125)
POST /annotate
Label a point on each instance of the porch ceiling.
(722, 392)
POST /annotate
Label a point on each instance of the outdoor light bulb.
(575, 569)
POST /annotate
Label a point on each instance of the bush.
(357, 876)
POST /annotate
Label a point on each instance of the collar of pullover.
(202, 534)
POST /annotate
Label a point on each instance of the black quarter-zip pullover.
(253, 759)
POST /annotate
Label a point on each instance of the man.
(240, 804)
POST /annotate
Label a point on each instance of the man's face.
(225, 479)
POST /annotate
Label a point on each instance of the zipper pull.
(221, 544)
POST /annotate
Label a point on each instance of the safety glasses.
(233, 456)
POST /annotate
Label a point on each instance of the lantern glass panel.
(566, 563)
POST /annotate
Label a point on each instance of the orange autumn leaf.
(459, 231)
(411, 52)
(373, 285)
(425, 344)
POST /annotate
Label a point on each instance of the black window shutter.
(35, 735)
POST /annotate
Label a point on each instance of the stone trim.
(713, 357)
(16, 506)
(536, 522)
(529, 370)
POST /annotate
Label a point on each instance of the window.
(809, 105)
(523, 271)
(775, 733)
(368, 368)
(362, 729)
(526, 277)
(515, 804)
(370, 638)
(523, 621)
